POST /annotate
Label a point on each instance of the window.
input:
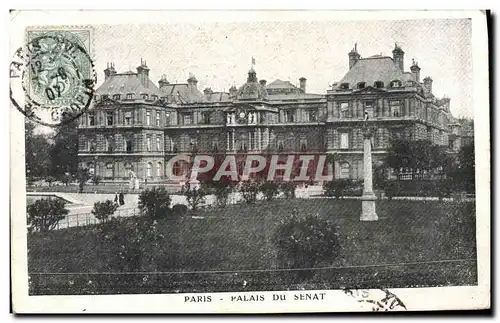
(396, 83)
(149, 169)
(215, 146)
(344, 110)
(130, 96)
(187, 118)
(289, 115)
(148, 117)
(128, 145)
(92, 145)
(148, 143)
(313, 115)
(107, 145)
(116, 96)
(303, 145)
(361, 85)
(193, 145)
(154, 97)
(379, 84)
(344, 86)
(104, 97)
(91, 119)
(128, 118)
(344, 140)
(109, 170)
(158, 143)
(395, 108)
(167, 117)
(369, 109)
(206, 117)
(109, 118)
(345, 170)
(280, 145)
(157, 119)
(145, 97)
(158, 169)
(96, 98)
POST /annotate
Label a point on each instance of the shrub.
(288, 189)
(96, 180)
(45, 214)
(179, 210)
(337, 187)
(391, 189)
(155, 202)
(104, 210)
(269, 189)
(195, 196)
(304, 241)
(221, 189)
(249, 191)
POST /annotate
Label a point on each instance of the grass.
(414, 243)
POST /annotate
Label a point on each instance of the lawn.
(414, 243)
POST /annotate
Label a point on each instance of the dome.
(252, 89)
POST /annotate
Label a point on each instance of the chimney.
(109, 71)
(143, 73)
(398, 57)
(208, 93)
(192, 82)
(263, 83)
(163, 81)
(353, 56)
(302, 82)
(415, 71)
(428, 84)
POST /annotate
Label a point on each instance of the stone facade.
(137, 126)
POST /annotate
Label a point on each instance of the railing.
(86, 219)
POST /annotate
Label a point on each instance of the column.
(368, 212)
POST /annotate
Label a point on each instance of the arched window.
(116, 97)
(158, 169)
(149, 170)
(396, 83)
(345, 170)
(109, 170)
(379, 84)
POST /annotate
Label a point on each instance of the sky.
(219, 54)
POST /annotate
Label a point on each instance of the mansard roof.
(279, 84)
(181, 93)
(373, 69)
(125, 83)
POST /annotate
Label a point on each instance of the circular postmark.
(52, 79)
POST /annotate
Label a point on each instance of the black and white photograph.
(249, 162)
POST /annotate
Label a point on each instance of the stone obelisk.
(368, 212)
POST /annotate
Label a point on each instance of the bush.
(269, 189)
(391, 189)
(96, 180)
(221, 189)
(104, 210)
(195, 196)
(288, 189)
(337, 187)
(249, 191)
(304, 241)
(45, 214)
(180, 210)
(155, 202)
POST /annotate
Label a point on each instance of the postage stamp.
(53, 74)
(249, 162)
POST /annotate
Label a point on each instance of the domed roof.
(252, 89)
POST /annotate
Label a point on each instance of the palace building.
(136, 126)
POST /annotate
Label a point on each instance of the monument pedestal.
(368, 210)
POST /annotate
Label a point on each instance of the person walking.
(116, 198)
(122, 198)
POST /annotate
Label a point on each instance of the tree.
(155, 202)
(45, 214)
(83, 177)
(104, 210)
(37, 151)
(195, 196)
(464, 173)
(416, 155)
(64, 153)
(269, 189)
